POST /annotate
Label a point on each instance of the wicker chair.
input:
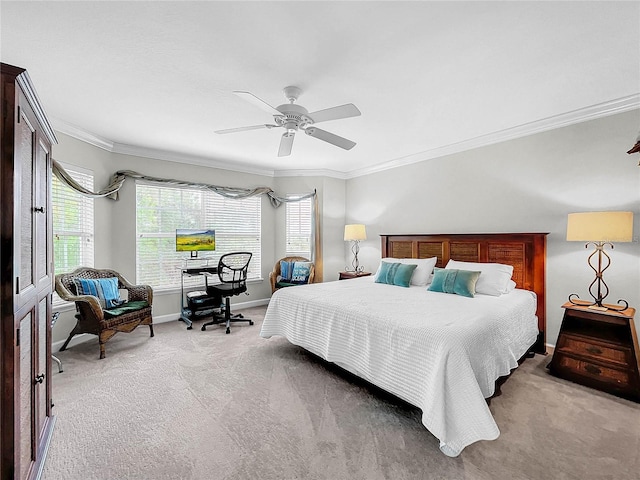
(273, 276)
(92, 318)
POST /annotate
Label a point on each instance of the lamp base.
(574, 299)
(598, 308)
(357, 271)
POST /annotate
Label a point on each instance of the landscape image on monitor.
(195, 240)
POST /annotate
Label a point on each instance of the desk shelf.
(204, 305)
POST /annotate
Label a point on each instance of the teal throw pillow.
(395, 274)
(460, 282)
(286, 270)
(301, 272)
(106, 289)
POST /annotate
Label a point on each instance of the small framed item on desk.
(348, 275)
(598, 349)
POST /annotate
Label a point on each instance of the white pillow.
(421, 275)
(511, 286)
(494, 277)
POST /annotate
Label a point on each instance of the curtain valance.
(118, 178)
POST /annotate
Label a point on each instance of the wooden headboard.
(526, 252)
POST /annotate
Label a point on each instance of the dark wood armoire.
(26, 283)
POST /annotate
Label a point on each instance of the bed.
(442, 353)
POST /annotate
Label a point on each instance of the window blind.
(73, 224)
(298, 227)
(160, 210)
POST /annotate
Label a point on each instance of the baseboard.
(171, 317)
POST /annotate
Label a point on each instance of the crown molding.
(311, 173)
(81, 134)
(593, 112)
(158, 154)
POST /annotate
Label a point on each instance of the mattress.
(439, 352)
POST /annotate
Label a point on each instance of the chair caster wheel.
(240, 315)
(250, 322)
(228, 330)
(189, 327)
(204, 328)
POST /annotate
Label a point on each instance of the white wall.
(524, 185)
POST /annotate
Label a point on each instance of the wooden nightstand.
(348, 275)
(598, 349)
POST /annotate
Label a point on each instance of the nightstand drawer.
(613, 376)
(599, 351)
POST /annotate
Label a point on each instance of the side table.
(348, 275)
(598, 349)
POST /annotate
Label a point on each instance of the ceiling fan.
(294, 117)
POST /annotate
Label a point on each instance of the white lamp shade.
(600, 227)
(355, 232)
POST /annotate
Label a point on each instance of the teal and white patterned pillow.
(301, 272)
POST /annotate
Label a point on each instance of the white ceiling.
(429, 77)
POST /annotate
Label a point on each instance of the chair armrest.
(93, 302)
(65, 294)
(140, 292)
(272, 280)
(312, 273)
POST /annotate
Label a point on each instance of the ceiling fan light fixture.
(291, 127)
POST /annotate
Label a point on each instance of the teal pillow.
(286, 270)
(460, 282)
(395, 274)
(106, 289)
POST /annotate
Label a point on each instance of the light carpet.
(194, 405)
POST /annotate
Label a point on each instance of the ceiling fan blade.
(242, 129)
(251, 98)
(334, 113)
(330, 138)
(285, 144)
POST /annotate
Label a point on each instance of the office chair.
(232, 271)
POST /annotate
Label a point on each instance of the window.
(160, 210)
(298, 226)
(72, 223)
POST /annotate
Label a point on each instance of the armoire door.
(33, 287)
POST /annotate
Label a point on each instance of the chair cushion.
(106, 289)
(125, 308)
(227, 289)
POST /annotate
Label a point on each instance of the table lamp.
(600, 229)
(355, 233)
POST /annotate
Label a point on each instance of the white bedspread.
(439, 352)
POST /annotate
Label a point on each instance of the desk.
(187, 315)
